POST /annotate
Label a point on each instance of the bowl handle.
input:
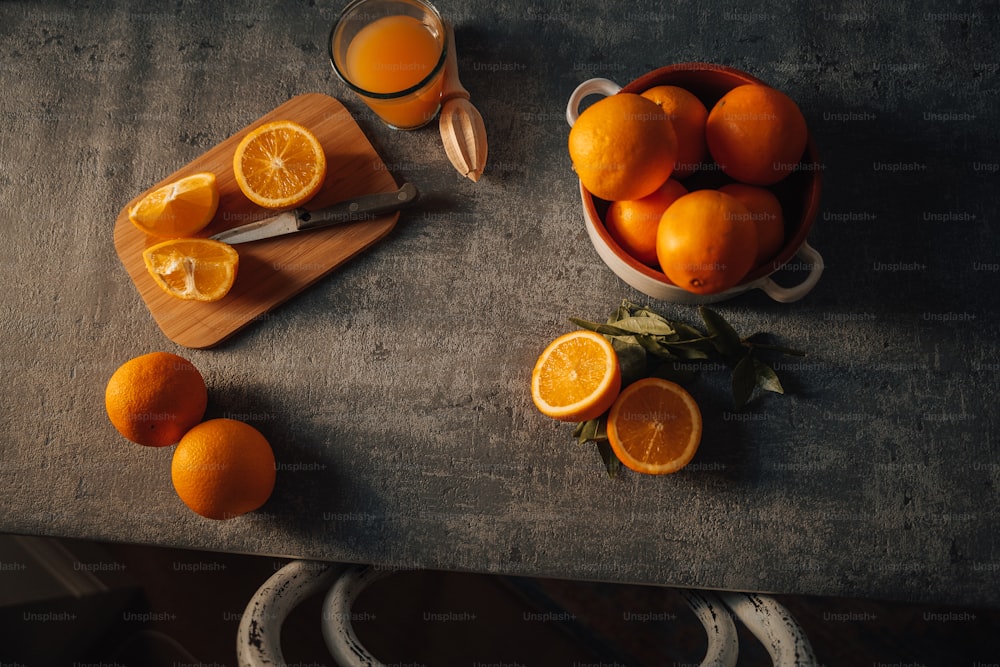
(589, 87)
(781, 294)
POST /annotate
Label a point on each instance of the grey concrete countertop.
(395, 391)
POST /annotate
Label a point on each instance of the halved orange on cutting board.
(280, 164)
(577, 377)
(193, 269)
(654, 426)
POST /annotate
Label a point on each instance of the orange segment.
(193, 269)
(576, 378)
(655, 426)
(279, 164)
(181, 208)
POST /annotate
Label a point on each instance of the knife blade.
(365, 207)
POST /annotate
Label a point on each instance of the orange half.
(279, 164)
(577, 377)
(655, 426)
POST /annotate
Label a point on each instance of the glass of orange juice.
(392, 53)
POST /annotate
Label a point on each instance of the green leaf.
(631, 357)
(645, 325)
(606, 329)
(766, 378)
(687, 353)
(621, 313)
(687, 332)
(645, 311)
(744, 381)
(726, 340)
(693, 348)
(611, 462)
(632, 308)
(594, 429)
(655, 347)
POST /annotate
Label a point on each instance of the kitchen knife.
(365, 207)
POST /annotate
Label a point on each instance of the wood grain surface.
(271, 271)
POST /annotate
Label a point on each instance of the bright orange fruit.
(623, 147)
(576, 378)
(193, 269)
(633, 223)
(279, 164)
(181, 208)
(223, 468)
(706, 242)
(655, 426)
(756, 134)
(155, 398)
(765, 211)
(688, 115)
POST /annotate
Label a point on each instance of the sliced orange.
(655, 426)
(193, 269)
(181, 208)
(576, 378)
(279, 164)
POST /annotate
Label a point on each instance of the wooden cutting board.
(271, 271)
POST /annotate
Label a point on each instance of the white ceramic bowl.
(799, 194)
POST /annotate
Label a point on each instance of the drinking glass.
(391, 53)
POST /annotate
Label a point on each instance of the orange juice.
(393, 54)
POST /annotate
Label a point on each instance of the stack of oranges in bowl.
(697, 179)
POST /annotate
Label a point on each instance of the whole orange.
(632, 223)
(765, 211)
(223, 468)
(706, 242)
(756, 134)
(688, 115)
(155, 398)
(623, 147)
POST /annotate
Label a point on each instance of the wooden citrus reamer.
(463, 132)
